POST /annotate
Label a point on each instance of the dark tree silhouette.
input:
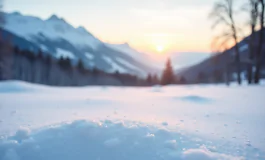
(149, 80)
(218, 76)
(168, 74)
(2, 20)
(80, 66)
(201, 78)
(260, 43)
(182, 80)
(252, 8)
(155, 79)
(223, 14)
(65, 63)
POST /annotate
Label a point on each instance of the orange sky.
(174, 25)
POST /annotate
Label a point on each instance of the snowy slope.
(128, 50)
(53, 28)
(55, 35)
(156, 123)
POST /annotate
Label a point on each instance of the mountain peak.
(16, 13)
(81, 29)
(55, 18)
(125, 45)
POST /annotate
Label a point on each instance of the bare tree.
(260, 43)
(252, 8)
(223, 14)
(1, 14)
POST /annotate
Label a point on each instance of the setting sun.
(160, 48)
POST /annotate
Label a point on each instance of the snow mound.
(156, 88)
(204, 154)
(195, 99)
(18, 86)
(104, 140)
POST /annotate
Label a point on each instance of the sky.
(151, 26)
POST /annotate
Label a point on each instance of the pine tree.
(80, 66)
(182, 80)
(168, 74)
(155, 79)
(149, 79)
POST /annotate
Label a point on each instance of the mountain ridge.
(55, 35)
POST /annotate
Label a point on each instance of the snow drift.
(106, 140)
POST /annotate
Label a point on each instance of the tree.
(65, 63)
(201, 78)
(252, 8)
(182, 80)
(260, 44)
(223, 14)
(218, 76)
(2, 20)
(155, 79)
(80, 66)
(149, 79)
(168, 74)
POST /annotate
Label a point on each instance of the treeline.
(169, 77)
(41, 68)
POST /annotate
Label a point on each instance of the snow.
(64, 53)
(114, 66)
(125, 48)
(54, 28)
(127, 64)
(89, 55)
(44, 48)
(128, 50)
(194, 122)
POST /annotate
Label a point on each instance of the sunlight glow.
(160, 48)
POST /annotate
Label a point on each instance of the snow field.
(206, 122)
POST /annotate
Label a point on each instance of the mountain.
(185, 59)
(218, 63)
(57, 37)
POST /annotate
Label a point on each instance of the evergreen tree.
(218, 77)
(155, 79)
(182, 80)
(201, 78)
(65, 63)
(168, 74)
(149, 79)
(95, 71)
(80, 66)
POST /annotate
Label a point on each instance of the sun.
(160, 48)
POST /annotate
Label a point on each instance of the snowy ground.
(207, 122)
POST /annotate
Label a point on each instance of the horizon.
(168, 33)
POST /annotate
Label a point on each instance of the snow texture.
(50, 123)
(54, 28)
(89, 55)
(114, 66)
(64, 54)
(127, 64)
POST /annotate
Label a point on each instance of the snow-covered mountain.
(60, 39)
(128, 50)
